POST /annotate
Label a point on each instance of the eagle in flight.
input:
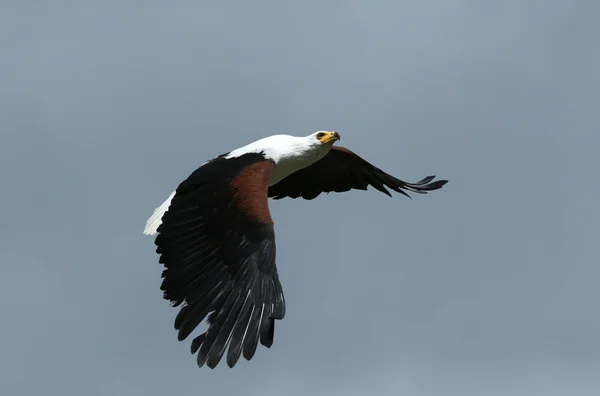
(216, 240)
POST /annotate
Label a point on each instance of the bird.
(216, 238)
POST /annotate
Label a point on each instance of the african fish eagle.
(217, 242)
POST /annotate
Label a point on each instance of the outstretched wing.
(342, 170)
(217, 243)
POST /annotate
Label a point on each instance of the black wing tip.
(437, 184)
(426, 184)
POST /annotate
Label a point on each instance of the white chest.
(287, 166)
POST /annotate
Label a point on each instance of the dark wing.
(217, 243)
(342, 170)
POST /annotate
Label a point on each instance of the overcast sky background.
(486, 287)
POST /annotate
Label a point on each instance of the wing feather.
(217, 243)
(342, 170)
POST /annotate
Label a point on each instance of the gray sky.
(486, 287)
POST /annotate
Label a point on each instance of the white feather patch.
(155, 220)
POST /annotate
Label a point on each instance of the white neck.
(290, 153)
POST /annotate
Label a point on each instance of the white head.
(324, 138)
(317, 145)
(283, 147)
(292, 153)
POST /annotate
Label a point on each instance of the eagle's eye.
(320, 135)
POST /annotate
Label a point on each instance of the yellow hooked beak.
(326, 137)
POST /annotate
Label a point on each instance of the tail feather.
(155, 220)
